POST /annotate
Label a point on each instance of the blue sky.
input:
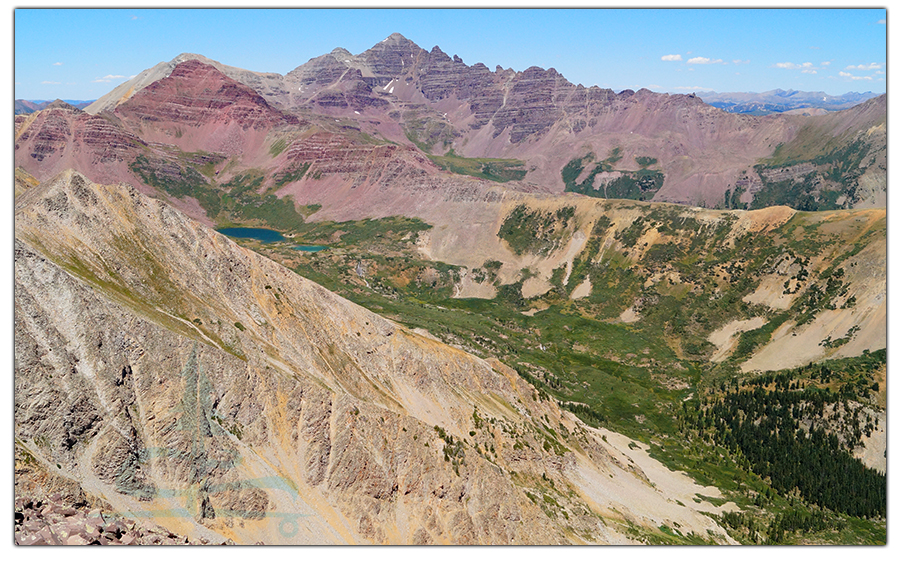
(84, 53)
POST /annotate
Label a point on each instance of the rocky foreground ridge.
(192, 384)
(40, 523)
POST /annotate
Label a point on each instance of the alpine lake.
(264, 235)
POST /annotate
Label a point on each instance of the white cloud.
(825, 63)
(789, 65)
(671, 57)
(704, 60)
(809, 71)
(107, 78)
(58, 63)
(740, 61)
(852, 77)
(864, 67)
(881, 22)
(50, 83)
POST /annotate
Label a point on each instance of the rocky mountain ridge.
(399, 91)
(187, 381)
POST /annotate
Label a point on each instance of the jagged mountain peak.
(340, 52)
(397, 38)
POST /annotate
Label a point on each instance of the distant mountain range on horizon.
(781, 101)
(25, 107)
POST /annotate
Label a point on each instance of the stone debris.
(50, 522)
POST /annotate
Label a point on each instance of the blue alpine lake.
(261, 234)
(266, 236)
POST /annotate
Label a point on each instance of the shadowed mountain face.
(183, 380)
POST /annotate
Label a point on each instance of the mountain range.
(24, 107)
(638, 145)
(497, 311)
(781, 101)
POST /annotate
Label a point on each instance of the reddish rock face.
(199, 108)
(61, 137)
(197, 94)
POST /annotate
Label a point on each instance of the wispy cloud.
(882, 21)
(789, 65)
(740, 61)
(813, 71)
(671, 57)
(50, 83)
(704, 60)
(862, 67)
(107, 78)
(852, 77)
(58, 63)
